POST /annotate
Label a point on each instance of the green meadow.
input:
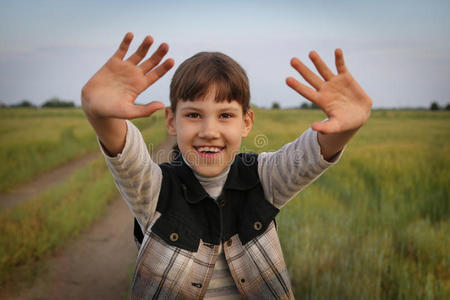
(32, 142)
(376, 225)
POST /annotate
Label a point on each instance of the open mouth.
(209, 151)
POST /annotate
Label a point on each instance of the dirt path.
(96, 265)
(43, 182)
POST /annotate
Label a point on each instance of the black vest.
(188, 210)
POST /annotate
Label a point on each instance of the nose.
(209, 129)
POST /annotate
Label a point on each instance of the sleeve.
(286, 172)
(136, 176)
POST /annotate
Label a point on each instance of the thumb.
(329, 126)
(140, 111)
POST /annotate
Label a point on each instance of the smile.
(208, 151)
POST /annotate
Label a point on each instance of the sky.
(399, 51)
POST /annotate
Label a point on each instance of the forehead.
(209, 104)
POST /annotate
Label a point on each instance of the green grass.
(33, 230)
(36, 140)
(33, 141)
(376, 225)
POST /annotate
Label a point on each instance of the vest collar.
(240, 177)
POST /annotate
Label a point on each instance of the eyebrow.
(235, 109)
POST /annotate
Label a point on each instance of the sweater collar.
(240, 177)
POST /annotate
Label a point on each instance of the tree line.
(53, 102)
(433, 106)
(56, 102)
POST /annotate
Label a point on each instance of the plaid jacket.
(181, 241)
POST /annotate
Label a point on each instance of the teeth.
(208, 149)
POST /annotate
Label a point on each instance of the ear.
(170, 121)
(248, 122)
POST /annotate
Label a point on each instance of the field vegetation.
(376, 225)
(36, 228)
(33, 141)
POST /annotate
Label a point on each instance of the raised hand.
(338, 95)
(111, 92)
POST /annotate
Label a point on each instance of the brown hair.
(198, 74)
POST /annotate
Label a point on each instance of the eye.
(226, 115)
(192, 115)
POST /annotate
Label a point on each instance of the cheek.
(236, 139)
(185, 136)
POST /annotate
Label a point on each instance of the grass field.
(376, 225)
(32, 230)
(33, 141)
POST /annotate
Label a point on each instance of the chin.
(209, 172)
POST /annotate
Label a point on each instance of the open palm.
(339, 95)
(111, 92)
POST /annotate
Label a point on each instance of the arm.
(339, 96)
(108, 102)
(286, 172)
(108, 97)
(137, 177)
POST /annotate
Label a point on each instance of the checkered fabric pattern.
(167, 272)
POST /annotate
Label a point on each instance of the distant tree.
(447, 107)
(23, 103)
(56, 102)
(275, 105)
(304, 105)
(434, 106)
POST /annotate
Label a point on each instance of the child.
(208, 217)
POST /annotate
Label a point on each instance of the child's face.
(209, 133)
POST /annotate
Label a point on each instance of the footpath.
(51, 178)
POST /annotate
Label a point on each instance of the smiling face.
(208, 132)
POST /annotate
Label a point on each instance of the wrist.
(331, 144)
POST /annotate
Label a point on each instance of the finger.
(302, 89)
(160, 71)
(138, 111)
(123, 48)
(327, 127)
(155, 59)
(340, 63)
(321, 66)
(141, 52)
(306, 73)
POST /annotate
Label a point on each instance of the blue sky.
(399, 51)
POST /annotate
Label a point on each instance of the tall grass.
(32, 230)
(376, 225)
(33, 141)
